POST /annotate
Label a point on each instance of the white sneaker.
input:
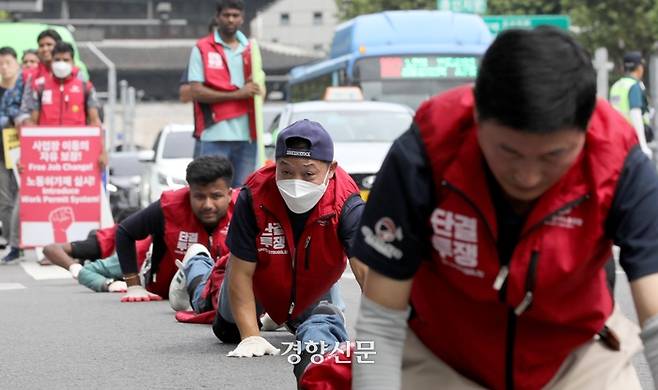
(179, 299)
(193, 250)
(268, 323)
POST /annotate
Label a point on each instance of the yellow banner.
(9, 141)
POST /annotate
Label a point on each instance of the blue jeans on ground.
(197, 267)
(326, 328)
(242, 155)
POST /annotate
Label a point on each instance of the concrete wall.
(302, 30)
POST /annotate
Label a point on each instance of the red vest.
(63, 102)
(556, 295)
(217, 77)
(212, 286)
(106, 242)
(182, 229)
(287, 279)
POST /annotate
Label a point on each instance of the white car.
(362, 131)
(166, 163)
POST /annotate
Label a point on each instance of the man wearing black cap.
(297, 219)
(629, 97)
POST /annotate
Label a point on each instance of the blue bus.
(397, 56)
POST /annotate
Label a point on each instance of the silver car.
(166, 163)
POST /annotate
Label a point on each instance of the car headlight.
(170, 181)
(368, 181)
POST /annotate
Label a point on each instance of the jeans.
(94, 274)
(8, 194)
(195, 268)
(242, 155)
(310, 326)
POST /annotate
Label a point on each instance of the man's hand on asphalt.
(253, 346)
(139, 294)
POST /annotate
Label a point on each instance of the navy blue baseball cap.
(633, 59)
(322, 146)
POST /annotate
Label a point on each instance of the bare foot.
(45, 261)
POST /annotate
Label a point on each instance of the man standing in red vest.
(61, 98)
(220, 79)
(297, 221)
(489, 225)
(199, 214)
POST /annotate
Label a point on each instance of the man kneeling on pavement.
(199, 213)
(292, 229)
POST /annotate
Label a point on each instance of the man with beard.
(222, 90)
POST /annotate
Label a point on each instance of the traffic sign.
(466, 6)
(498, 23)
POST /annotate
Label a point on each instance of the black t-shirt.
(405, 180)
(147, 222)
(241, 238)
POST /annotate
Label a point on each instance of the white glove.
(74, 269)
(254, 346)
(117, 286)
(139, 294)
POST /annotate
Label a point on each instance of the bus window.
(312, 89)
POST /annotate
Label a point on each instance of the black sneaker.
(13, 256)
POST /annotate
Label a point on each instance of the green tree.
(348, 9)
(618, 25)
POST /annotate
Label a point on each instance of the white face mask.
(62, 69)
(300, 195)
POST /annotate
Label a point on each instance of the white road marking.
(11, 286)
(48, 272)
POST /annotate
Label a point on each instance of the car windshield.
(361, 125)
(178, 144)
(125, 164)
(408, 92)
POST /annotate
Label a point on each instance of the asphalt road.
(57, 334)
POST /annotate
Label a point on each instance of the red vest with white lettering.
(217, 76)
(212, 286)
(63, 102)
(555, 296)
(182, 229)
(288, 279)
(106, 243)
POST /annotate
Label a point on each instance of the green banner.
(498, 23)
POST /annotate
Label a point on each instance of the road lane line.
(11, 286)
(47, 272)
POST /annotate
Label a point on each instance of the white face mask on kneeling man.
(300, 195)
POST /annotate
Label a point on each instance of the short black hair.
(28, 51)
(230, 4)
(51, 34)
(63, 47)
(7, 51)
(537, 81)
(205, 170)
